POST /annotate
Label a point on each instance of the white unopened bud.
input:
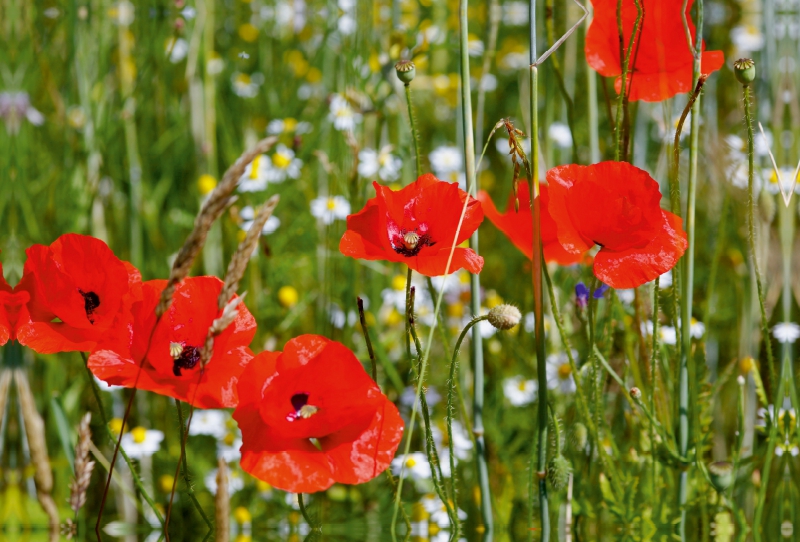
(740, 380)
(504, 316)
(636, 393)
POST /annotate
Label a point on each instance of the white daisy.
(626, 296)
(342, 115)
(786, 180)
(445, 160)
(284, 165)
(248, 214)
(177, 49)
(559, 373)
(560, 134)
(246, 86)
(209, 422)
(229, 452)
(520, 392)
(255, 176)
(141, 442)
(515, 13)
(786, 332)
(381, 163)
(288, 126)
(329, 209)
(747, 38)
(414, 465)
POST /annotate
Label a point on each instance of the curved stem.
(185, 465)
(451, 385)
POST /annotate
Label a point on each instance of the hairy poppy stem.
(786, 368)
(430, 447)
(451, 386)
(414, 133)
(626, 66)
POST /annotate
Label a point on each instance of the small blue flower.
(598, 294)
(581, 295)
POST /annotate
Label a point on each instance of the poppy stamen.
(409, 243)
(301, 407)
(187, 358)
(90, 302)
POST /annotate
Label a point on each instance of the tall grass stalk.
(538, 300)
(476, 350)
(687, 267)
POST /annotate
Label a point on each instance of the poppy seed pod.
(504, 316)
(745, 71)
(721, 475)
(405, 71)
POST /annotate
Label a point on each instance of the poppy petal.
(636, 266)
(357, 458)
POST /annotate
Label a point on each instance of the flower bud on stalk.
(504, 316)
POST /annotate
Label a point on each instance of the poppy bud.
(721, 475)
(405, 71)
(579, 436)
(504, 316)
(745, 71)
(558, 472)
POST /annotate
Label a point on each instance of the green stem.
(433, 456)
(786, 363)
(304, 511)
(414, 133)
(687, 280)
(475, 284)
(364, 328)
(538, 300)
(137, 481)
(451, 386)
(562, 87)
(184, 463)
(626, 64)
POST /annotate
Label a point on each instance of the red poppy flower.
(662, 63)
(617, 206)
(518, 225)
(173, 357)
(311, 416)
(77, 287)
(416, 226)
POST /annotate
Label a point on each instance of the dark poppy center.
(90, 302)
(299, 400)
(410, 242)
(300, 408)
(187, 359)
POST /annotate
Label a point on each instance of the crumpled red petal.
(662, 61)
(636, 266)
(518, 225)
(428, 206)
